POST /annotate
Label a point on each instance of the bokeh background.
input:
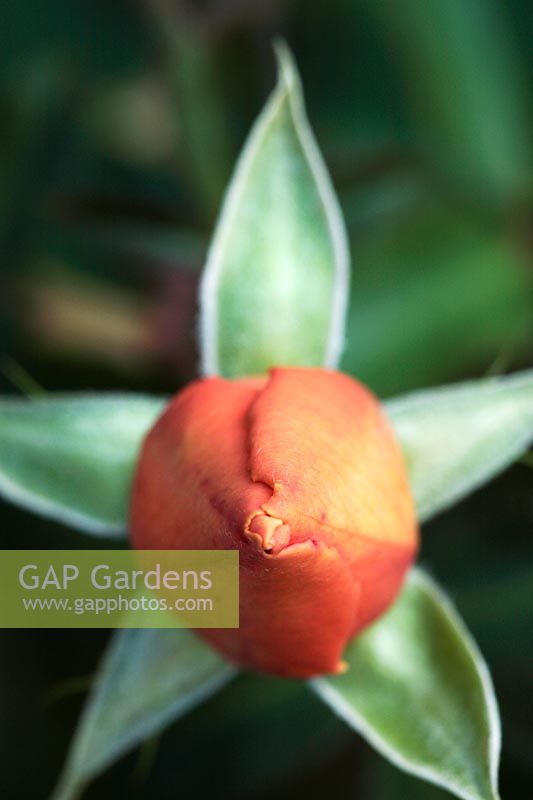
(119, 125)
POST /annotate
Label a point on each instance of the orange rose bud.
(301, 473)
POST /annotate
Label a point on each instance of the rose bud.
(301, 473)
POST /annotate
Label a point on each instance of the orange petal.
(296, 612)
(193, 488)
(321, 442)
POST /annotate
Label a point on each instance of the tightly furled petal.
(301, 473)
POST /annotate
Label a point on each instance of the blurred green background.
(119, 125)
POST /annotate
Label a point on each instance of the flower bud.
(301, 473)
